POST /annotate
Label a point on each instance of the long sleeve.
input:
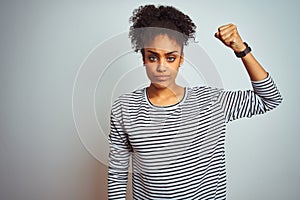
(237, 104)
(118, 160)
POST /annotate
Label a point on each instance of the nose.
(161, 66)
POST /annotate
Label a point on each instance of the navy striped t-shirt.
(178, 151)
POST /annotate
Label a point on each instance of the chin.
(160, 85)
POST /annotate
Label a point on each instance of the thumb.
(217, 35)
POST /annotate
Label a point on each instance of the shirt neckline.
(165, 107)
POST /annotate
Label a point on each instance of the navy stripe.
(178, 151)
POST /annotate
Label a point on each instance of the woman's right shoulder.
(129, 98)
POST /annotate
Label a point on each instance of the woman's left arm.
(264, 97)
(229, 35)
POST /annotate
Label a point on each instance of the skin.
(163, 57)
(228, 34)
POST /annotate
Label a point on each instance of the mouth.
(162, 77)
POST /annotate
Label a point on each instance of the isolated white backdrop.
(43, 45)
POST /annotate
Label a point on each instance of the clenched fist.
(228, 34)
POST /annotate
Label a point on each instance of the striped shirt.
(178, 151)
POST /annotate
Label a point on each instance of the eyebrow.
(165, 54)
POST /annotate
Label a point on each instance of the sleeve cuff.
(267, 79)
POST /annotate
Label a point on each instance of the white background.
(43, 44)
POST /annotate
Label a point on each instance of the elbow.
(273, 103)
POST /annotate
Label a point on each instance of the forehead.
(163, 43)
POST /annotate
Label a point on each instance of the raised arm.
(228, 34)
(264, 97)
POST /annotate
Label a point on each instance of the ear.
(181, 59)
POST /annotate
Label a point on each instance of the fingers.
(225, 26)
(224, 29)
(229, 35)
(226, 33)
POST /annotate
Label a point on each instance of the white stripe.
(178, 151)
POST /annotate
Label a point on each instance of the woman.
(175, 134)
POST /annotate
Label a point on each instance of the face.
(162, 58)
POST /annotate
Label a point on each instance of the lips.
(162, 77)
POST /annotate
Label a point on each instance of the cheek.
(149, 70)
(174, 67)
(149, 67)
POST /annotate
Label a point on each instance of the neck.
(155, 91)
(165, 96)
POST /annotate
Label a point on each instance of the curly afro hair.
(150, 21)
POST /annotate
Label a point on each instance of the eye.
(171, 59)
(152, 58)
